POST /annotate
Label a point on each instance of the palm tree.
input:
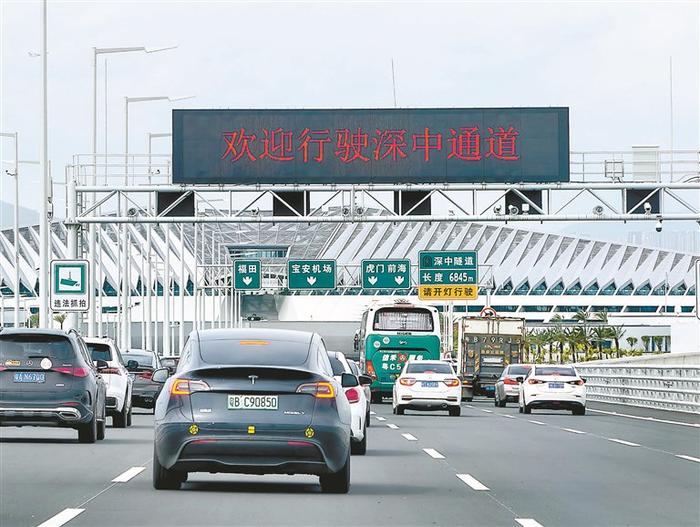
(60, 318)
(645, 341)
(600, 334)
(584, 317)
(33, 320)
(658, 342)
(616, 333)
(632, 342)
(558, 334)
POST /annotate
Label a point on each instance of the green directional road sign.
(311, 274)
(444, 275)
(247, 275)
(69, 285)
(386, 274)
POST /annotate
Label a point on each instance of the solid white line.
(528, 522)
(393, 426)
(573, 431)
(380, 418)
(371, 412)
(410, 437)
(487, 411)
(127, 475)
(61, 518)
(689, 458)
(472, 482)
(622, 442)
(507, 416)
(666, 421)
(536, 422)
(433, 453)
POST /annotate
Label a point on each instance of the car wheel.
(527, 409)
(120, 420)
(339, 482)
(455, 411)
(360, 447)
(87, 433)
(469, 399)
(520, 409)
(165, 479)
(579, 411)
(496, 402)
(128, 416)
(101, 428)
(399, 409)
(502, 404)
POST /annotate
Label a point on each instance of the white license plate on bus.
(252, 402)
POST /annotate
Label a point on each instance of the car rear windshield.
(257, 352)
(338, 368)
(428, 368)
(99, 351)
(27, 347)
(402, 319)
(555, 370)
(518, 370)
(145, 360)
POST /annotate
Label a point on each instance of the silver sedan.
(507, 385)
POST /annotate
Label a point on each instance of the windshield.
(518, 370)
(27, 347)
(428, 368)
(144, 360)
(555, 370)
(254, 352)
(338, 368)
(99, 351)
(398, 319)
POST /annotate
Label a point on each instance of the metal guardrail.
(674, 388)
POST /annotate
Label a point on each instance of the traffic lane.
(557, 477)
(44, 470)
(394, 484)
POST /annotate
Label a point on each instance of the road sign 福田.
(448, 275)
(386, 274)
(246, 275)
(70, 285)
(311, 274)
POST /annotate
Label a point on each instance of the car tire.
(87, 433)
(128, 416)
(469, 399)
(456, 411)
(338, 482)
(359, 448)
(101, 428)
(166, 479)
(376, 398)
(496, 402)
(527, 409)
(399, 409)
(503, 403)
(368, 421)
(120, 420)
(520, 409)
(579, 411)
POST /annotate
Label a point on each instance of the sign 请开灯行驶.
(311, 274)
(448, 275)
(411, 145)
(246, 275)
(386, 274)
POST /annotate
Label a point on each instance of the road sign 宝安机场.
(386, 274)
(246, 275)
(311, 274)
(448, 275)
(69, 285)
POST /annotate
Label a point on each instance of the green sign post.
(311, 274)
(69, 285)
(448, 275)
(247, 275)
(386, 274)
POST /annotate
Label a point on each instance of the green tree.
(60, 318)
(600, 335)
(584, 318)
(658, 343)
(645, 341)
(616, 333)
(33, 320)
(559, 335)
(632, 342)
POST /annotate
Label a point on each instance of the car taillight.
(370, 370)
(508, 380)
(451, 382)
(320, 390)
(535, 381)
(145, 375)
(353, 395)
(188, 386)
(407, 381)
(577, 382)
(111, 371)
(2, 368)
(76, 372)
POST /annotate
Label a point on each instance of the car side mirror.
(584, 380)
(160, 375)
(132, 365)
(101, 364)
(365, 380)
(348, 380)
(520, 379)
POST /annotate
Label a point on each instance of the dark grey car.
(252, 401)
(141, 364)
(47, 378)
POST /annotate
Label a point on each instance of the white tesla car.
(359, 405)
(427, 385)
(119, 382)
(554, 387)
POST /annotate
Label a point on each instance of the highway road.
(491, 466)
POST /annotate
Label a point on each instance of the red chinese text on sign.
(427, 142)
(349, 145)
(277, 145)
(238, 145)
(389, 143)
(317, 137)
(502, 144)
(465, 144)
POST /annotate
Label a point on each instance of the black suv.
(47, 378)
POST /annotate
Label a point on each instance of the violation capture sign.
(246, 275)
(69, 285)
(311, 274)
(448, 275)
(386, 274)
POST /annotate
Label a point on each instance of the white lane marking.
(410, 437)
(380, 418)
(487, 411)
(536, 422)
(507, 416)
(528, 522)
(622, 442)
(472, 482)
(433, 453)
(392, 426)
(468, 406)
(666, 421)
(689, 458)
(61, 518)
(573, 431)
(127, 475)
(372, 412)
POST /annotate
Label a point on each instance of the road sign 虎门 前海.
(386, 274)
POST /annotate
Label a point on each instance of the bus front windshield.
(403, 319)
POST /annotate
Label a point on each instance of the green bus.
(392, 333)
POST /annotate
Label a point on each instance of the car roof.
(255, 333)
(34, 331)
(431, 361)
(98, 340)
(139, 351)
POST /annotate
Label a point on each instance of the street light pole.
(44, 220)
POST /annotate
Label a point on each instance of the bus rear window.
(390, 319)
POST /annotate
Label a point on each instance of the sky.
(607, 61)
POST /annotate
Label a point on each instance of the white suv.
(119, 382)
(359, 405)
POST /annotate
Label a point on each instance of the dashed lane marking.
(621, 441)
(641, 418)
(371, 412)
(433, 453)
(409, 437)
(468, 406)
(573, 431)
(507, 416)
(487, 411)
(472, 482)
(528, 522)
(536, 422)
(127, 475)
(392, 426)
(380, 418)
(61, 518)
(689, 458)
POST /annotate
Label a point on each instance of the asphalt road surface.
(491, 466)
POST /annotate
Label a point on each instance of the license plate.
(26, 376)
(556, 385)
(252, 402)
(429, 384)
